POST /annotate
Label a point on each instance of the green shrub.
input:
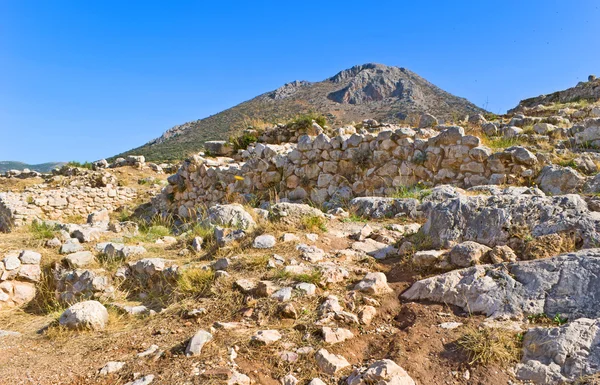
(417, 191)
(304, 122)
(242, 142)
(314, 223)
(313, 277)
(74, 163)
(42, 230)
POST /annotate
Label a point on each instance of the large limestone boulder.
(218, 147)
(293, 213)
(374, 283)
(427, 121)
(231, 215)
(494, 218)
(379, 207)
(85, 315)
(560, 180)
(561, 354)
(567, 285)
(468, 253)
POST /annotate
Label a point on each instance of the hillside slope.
(7, 165)
(366, 91)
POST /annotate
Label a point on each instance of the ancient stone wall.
(17, 209)
(323, 169)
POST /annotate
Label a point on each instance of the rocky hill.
(374, 253)
(384, 93)
(6, 165)
(584, 91)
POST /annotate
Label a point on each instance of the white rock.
(265, 241)
(335, 335)
(197, 342)
(283, 295)
(79, 259)
(383, 372)
(450, 325)
(85, 315)
(238, 378)
(29, 257)
(307, 289)
(111, 367)
(146, 380)
(330, 363)
(374, 283)
(266, 337)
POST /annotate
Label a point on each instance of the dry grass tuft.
(195, 282)
(314, 224)
(486, 346)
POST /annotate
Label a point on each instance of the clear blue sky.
(82, 80)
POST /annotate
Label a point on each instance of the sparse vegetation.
(486, 346)
(304, 122)
(502, 142)
(544, 319)
(314, 277)
(195, 282)
(314, 223)
(242, 141)
(41, 230)
(74, 163)
(417, 191)
(355, 218)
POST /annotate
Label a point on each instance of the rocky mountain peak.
(371, 90)
(287, 90)
(375, 82)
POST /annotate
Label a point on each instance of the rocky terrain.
(385, 93)
(425, 252)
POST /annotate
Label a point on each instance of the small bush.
(304, 122)
(486, 346)
(195, 282)
(207, 233)
(313, 277)
(417, 191)
(42, 230)
(568, 163)
(260, 262)
(543, 318)
(354, 218)
(45, 300)
(361, 158)
(74, 163)
(502, 143)
(490, 117)
(152, 233)
(314, 223)
(242, 142)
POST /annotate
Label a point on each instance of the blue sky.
(82, 80)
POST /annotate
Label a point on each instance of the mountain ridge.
(7, 165)
(371, 90)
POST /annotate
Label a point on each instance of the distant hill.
(7, 165)
(375, 91)
(583, 91)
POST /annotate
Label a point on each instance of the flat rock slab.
(569, 352)
(568, 285)
(488, 219)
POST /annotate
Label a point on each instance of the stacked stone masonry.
(17, 209)
(323, 169)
